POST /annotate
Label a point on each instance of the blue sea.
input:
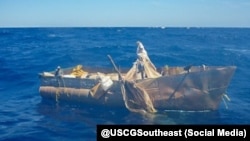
(25, 52)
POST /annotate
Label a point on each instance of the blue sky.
(124, 13)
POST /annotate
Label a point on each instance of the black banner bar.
(178, 132)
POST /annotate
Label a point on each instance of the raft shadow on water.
(91, 115)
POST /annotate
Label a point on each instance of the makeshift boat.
(143, 87)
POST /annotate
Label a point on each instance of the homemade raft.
(142, 88)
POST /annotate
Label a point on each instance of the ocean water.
(25, 52)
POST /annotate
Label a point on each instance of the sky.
(124, 13)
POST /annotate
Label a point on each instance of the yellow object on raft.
(78, 71)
